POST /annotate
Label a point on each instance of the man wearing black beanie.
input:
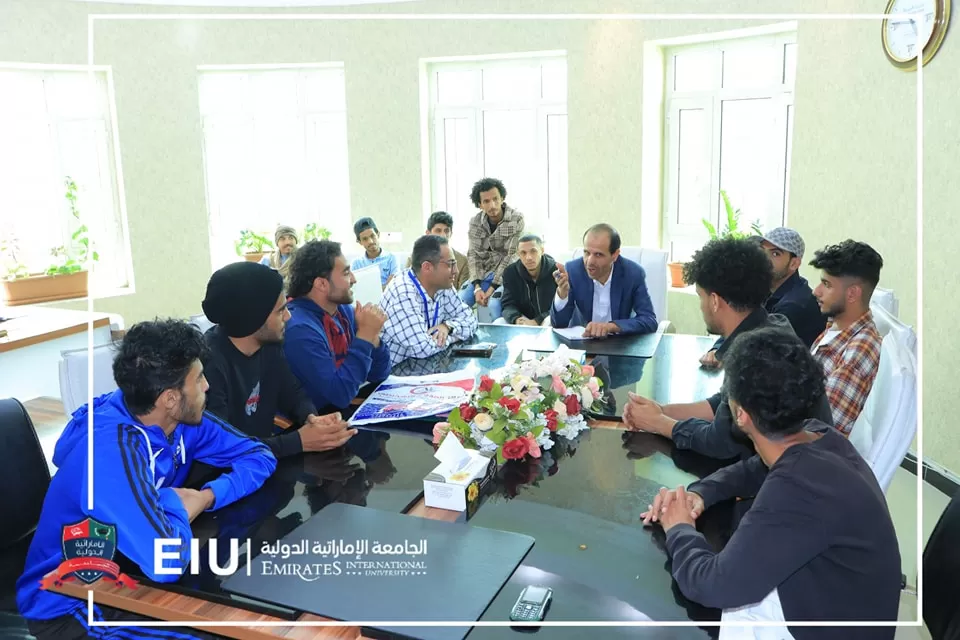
(250, 381)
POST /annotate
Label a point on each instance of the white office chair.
(654, 263)
(368, 289)
(201, 322)
(887, 300)
(74, 375)
(888, 322)
(888, 422)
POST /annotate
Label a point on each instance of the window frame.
(711, 102)
(104, 129)
(474, 111)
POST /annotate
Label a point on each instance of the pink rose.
(587, 369)
(534, 447)
(440, 431)
(558, 386)
(594, 386)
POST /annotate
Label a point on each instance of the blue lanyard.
(426, 308)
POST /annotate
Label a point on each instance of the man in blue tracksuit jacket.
(146, 435)
(331, 345)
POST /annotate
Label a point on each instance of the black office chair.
(941, 575)
(24, 478)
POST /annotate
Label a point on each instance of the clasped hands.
(641, 414)
(671, 508)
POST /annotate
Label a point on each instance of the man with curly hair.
(732, 278)
(818, 543)
(849, 349)
(493, 237)
(146, 436)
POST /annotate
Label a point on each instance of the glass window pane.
(328, 171)
(693, 167)
(789, 64)
(273, 92)
(75, 94)
(457, 87)
(696, 71)
(222, 93)
(557, 206)
(748, 162)
(510, 153)
(554, 80)
(502, 84)
(751, 66)
(324, 90)
(23, 95)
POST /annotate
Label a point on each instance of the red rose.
(510, 404)
(551, 417)
(516, 449)
(573, 405)
(486, 384)
(467, 412)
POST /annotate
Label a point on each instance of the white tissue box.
(462, 487)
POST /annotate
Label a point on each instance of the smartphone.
(532, 604)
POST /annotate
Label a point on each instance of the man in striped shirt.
(849, 349)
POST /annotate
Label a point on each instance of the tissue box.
(462, 490)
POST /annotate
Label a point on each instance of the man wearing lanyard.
(423, 310)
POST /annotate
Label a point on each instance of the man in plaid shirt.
(424, 314)
(849, 349)
(494, 234)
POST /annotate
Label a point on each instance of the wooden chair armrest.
(282, 422)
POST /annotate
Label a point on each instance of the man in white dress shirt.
(604, 291)
(424, 312)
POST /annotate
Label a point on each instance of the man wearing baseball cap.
(250, 381)
(790, 296)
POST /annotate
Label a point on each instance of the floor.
(49, 421)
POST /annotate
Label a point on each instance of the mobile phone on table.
(532, 604)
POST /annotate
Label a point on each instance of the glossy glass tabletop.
(672, 375)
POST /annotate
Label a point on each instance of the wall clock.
(899, 35)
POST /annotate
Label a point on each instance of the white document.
(571, 333)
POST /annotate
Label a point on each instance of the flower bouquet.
(521, 412)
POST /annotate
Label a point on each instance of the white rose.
(560, 408)
(483, 422)
(586, 398)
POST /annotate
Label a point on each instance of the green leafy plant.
(72, 257)
(733, 223)
(13, 268)
(252, 242)
(315, 232)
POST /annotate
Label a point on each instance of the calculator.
(532, 604)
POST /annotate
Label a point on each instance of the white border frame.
(92, 18)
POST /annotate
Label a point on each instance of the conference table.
(581, 502)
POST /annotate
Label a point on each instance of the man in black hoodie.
(528, 284)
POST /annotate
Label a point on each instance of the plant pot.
(34, 289)
(676, 275)
(255, 257)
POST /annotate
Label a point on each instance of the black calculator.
(532, 604)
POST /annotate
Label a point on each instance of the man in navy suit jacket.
(604, 292)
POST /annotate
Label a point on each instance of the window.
(729, 118)
(274, 151)
(57, 122)
(506, 119)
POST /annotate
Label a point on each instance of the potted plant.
(733, 223)
(252, 245)
(313, 231)
(65, 279)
